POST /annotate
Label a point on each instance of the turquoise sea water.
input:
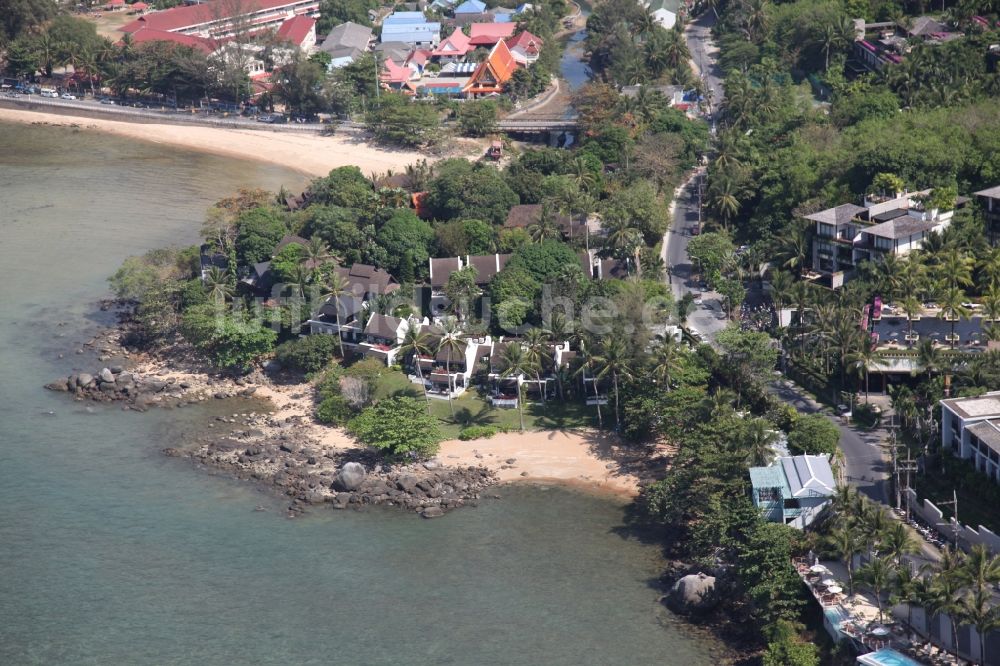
(111, 553)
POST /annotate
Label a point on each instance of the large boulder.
(107, 375)
(350, 477)
(693, 593)
(83, 380)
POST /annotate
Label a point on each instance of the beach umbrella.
(818, 568)
(827, 582)
(835, 589)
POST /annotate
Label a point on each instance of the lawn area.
(977, 495)
(473, 409)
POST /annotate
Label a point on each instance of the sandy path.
(308, 153)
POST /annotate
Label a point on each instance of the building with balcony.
(793, 490)
(383, 335)
(970, 429)
(219, 19)
(847, 235)
(990, 198)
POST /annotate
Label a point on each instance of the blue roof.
(411, 33)
(401, 18)
(502, 18)
(471, 7)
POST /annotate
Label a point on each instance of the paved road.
(865, 467)
(698, 35)
(708, 318)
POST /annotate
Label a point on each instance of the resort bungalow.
(793, 490)
(970, 427)
(340, 316)
(449, 371)
(487, 266)
(382, 336)
(504, 387)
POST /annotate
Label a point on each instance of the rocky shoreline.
(281, 455)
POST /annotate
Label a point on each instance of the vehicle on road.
(48, 92)
(68, 96)
(694, 229)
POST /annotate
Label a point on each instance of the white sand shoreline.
(304, 152)
(585, 459)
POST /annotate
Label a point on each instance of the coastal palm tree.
(314, 253)
(977, 609)
(218, 284)
(582, 174)
(795, 250)
(846, 543)
(547, 227)
(724, 196)
(451, 344)
(336, 287)
(989, 266)
(514, 364)
(897, 541)
(905, 588)
(666, 360)
(981, 569)
(588, 370)
(781, 286)
(911, 308)
(416, 343)
(863, 358)
(878, 574)
(538, 354)
(758, 440)
(953, 309)
(614, 361)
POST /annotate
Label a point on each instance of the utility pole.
(909, 466)
(953, 503)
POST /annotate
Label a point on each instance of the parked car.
(68, 96)
(107, 100)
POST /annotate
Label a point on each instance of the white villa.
(970, 427)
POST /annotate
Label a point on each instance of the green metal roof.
(770, 477)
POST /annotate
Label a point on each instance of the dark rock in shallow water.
(432, 512)
(58, 385)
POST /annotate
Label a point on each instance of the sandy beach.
(585, 459)
(308, 153)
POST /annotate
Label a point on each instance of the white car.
(68, 96)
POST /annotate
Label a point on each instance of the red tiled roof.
(488, 34)
(151, 35)
(139, 6)
(526, 41)
(116, 3)
(395, 73)
(494, 72)
(458, 41)
(296, 29)
(192, 15)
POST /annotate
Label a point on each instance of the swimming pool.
(886, 657)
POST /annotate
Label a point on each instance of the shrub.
(334, 410)
(477, 432)
(308, 354)
(398, 426)
(813, 434)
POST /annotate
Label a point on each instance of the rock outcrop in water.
(341, 478)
